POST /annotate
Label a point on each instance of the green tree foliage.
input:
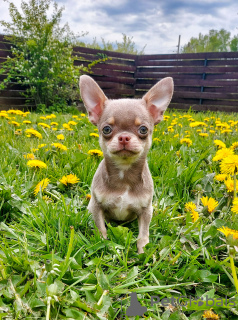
(214, 41)
(234, 44)
(127, 45)
(41, 53)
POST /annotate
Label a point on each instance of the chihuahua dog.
(122, 187)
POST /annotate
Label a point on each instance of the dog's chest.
(121, 206)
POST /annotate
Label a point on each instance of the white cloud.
(157, 24)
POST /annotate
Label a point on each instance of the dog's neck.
(129, 174)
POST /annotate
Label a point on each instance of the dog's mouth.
(125, 152)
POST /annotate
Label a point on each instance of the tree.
(126, 46)
(234, 44)
(41, 53)
(214, 41)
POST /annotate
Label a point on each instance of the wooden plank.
(115, 85)
(108, 53)
(130, 92)
(154, 70)
(105, 66)
(4, 53)
(179, 63)
(197, 107)
(222, 62)
(193, 56)
(147, 84)
(206, 95)
(111, 73)
(12, 101)
(220, 102)
(218, 77)
(12, 93)
(119, 62)
(113, 79)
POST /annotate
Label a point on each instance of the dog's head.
(125, 125)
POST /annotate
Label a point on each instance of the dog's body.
(122, 187)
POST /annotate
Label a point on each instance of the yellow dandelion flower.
(227, 231)
(186, 141)
(203, 134)
(234, 207)
(197, 124)
(26, 121)
(18, 132)
(219, 144)
(95, 152)
(190, 206)
(176, 135)
(59, 146)
(41, 145)
(72, 123)
(15, 123)
(29, 156)
(229, 165)
(212, 131)
(222, 153)
(69, 179)
(230, 185)
(94, 135)
(88, 196)
(41, 186)
(60, 137)
(210, 203)
(234, 145)
(156, 140)
(44, 125)
(226, 131)
(66, 126)
(43, 118)
(221, 177)
(54, 123)
(36, 164)
(4, 115)
(83, 115)
(210, 315)
(33, 132)
(194, 216)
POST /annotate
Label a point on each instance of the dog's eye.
(107, 130)
(143, 130)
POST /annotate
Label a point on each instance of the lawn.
(53, 262)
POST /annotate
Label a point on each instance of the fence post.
(203, 78)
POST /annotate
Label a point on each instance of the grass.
(53, 262)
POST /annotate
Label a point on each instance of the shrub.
(41, 56)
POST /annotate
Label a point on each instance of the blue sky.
(154, 23)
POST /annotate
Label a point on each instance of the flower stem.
(48, 308)
(233, 270)
(233, 213)
(193, 226)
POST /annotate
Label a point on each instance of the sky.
(154, 23)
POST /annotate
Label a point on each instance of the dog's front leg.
(98, 216)
(144, 224)
(100, 223)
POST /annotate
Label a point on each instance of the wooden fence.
(203, 81)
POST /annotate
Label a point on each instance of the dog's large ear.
(93, 97)
(158, 98)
